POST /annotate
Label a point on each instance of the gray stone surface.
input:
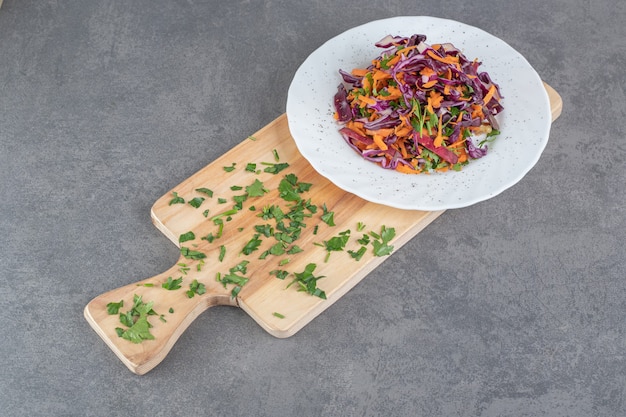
(511, 307)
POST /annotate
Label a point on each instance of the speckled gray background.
(512, 307)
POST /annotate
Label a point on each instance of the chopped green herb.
(328, 216)
(196, 202)
(252, 245)
(191, 254)
(230, 168)
(251, 167)
(171, 310)
(177, 199)
(252, 138)
(114, 308)
(205, 213)
(336, 243)
(275, 168)
(146, 284)
(185, 237)
(222, 253)
(276, 314)
(233, 278)
(381, 242)
(172, 284)
(239, 200)
(196, 288)
(209, 238)
(276, 249)
(256, 189)
(206, 191)
(294, 249)
(360, 226)
(224, 214)
(183, 268)
(236, 188)
(276, 157)
(220, 227)
(279, 273)
(265, 229)
(136, 321)
(364, 240)
(358, 254)
(308, 282)
(289, 188)
(221, 200)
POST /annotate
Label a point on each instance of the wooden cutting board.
(280, 309)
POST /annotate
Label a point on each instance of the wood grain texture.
(264, 294)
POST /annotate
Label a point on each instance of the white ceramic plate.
(524, 123)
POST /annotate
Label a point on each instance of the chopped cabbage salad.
(418, 108)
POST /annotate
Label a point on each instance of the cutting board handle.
(174, 309)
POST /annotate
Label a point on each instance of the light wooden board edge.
(556, 103)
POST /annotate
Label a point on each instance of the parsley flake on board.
(235, 276)
(196, 202)
(176, 199)
(275, 168)
(114, 308)
(328, 217)
(357, 255)
(256, 189)
(205, 190)
(172, 284)
(196, 288)
(186, 237)
(335, 243)
(191, 254)
(279, 273)
(381, 242)
(252, 245)
(307, 282)
(136, 321)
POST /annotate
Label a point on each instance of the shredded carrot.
(427, 72)
(360, 72)
(405, 169)
(490, 93)
(447, 60)
(378, 140)
(439, 138)
(381, 132)
(435, 99)
(477, 111)
(367, 100)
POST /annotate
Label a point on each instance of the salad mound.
(418, 108)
